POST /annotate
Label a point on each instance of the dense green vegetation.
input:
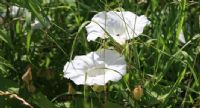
(32, 60)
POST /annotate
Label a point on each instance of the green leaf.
(8, 85)
(5, 38)
(35, 8)
(114, 105)
(42, 101)
(71, 2)
(28, 41)
(4, 65)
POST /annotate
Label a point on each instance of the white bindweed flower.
(121, 26)
(96, 68)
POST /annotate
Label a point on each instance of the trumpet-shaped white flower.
(96, 68)
(121, 26)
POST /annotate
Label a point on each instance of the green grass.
(167, 69)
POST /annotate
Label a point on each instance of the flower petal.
(14, 11)
(79, 80)
(181, 37)
(141, 22)
(121, 40)
(94, 31)
(112, 76)
(98, 80)
(110, 57)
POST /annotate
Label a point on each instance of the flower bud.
(137, 92)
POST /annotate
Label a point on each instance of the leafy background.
(167, 70)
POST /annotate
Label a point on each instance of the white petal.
(105, 54)
(76, 65)
(115, 23)
(98, 80)
(79, 80)
(130, 19)
(13, 11)
(110, 56)
(94, 31)
(70, 70)
(71, 74)
(84, 60)
(141, 22)
(112, 76)
(121, 40)
(100, 18)
(181, 37)
(74, 72)
(17, 11)
(113, 61)
(36, 25)
(93, 58)
(118, 69)
(92, 36)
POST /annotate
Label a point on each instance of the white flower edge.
(96, 68)
(15, 10)
(37, 25)
(127, 24)
(182, 37)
